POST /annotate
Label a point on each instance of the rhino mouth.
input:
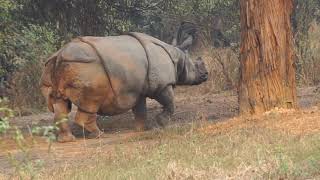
(201, 71)
(202, 78)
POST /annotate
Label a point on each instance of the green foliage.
(6, 21)
(25, 166)
(5, 114)
(30, 30)
(27, 44)
(32, 46)
(23, 47)
(158, 18)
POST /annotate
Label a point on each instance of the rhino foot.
(62, 138)
(139, 126)
(165, 98)
(78, 131)
(94, 135)
(163, 120)
(150, 125)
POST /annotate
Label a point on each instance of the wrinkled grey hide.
(135, 66)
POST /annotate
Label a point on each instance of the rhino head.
(191, 72)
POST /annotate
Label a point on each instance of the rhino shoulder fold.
(174, 53)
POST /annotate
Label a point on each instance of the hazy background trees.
(32, 29)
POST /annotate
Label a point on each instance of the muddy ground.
(118, 129)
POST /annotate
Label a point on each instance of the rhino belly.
(121, 104)
(92, 92)
(127, 64)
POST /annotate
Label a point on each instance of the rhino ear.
(187, 53)
(186, 44)
(199, 59)
(174, 42)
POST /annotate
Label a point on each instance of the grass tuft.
(251, 152)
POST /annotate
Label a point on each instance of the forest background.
(30, 30)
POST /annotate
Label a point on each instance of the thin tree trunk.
(267, 66)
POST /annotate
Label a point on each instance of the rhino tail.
(50, 79)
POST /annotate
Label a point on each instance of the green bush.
(35, 44)
(23, 46)
(5, 114)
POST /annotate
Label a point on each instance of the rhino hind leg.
(89, 122)
(166, 99)
(61, 110)
(140, 114)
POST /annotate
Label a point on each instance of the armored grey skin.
(111, 75)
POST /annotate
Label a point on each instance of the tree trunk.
(267, 65)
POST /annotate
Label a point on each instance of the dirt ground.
(118, 129)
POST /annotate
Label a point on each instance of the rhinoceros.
(112, 75)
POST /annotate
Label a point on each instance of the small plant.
(5, 114)
(4, 125)
(48, 132)
(25, 166)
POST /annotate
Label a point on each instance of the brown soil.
(219, 110)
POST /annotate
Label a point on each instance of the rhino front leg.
(61, 111)
(89, 122)
(140, 114)
(166, 99)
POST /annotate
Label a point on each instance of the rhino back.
(125, 57)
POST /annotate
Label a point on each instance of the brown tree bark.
(267, 69)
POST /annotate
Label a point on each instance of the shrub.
(5, 114)
(31, 46)
(308, 65)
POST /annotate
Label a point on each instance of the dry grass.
(222, 65)
(279, 144)
(300, 122)
(308, 57)
(25, 95)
